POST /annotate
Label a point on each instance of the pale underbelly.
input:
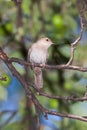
(38, 57)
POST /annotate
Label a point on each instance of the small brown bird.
(38, 53)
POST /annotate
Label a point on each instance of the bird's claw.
(42, 65)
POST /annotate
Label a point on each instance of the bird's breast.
(38, 56)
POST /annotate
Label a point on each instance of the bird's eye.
(47, 39)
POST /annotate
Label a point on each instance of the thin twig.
(9, 119)
(7, 111)
(73, 46)
(69, 98)
(81, 118)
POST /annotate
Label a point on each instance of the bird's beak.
(52, 43)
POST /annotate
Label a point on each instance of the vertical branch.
(24, 53)
(19, 15)
(29, 116)
(37, 118)
(74, 44)
(82, 8)
(20, 26)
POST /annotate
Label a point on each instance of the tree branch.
(9, 119)
(73, 46)
(29, 93)
(59, 67)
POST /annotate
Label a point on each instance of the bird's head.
(46, 42)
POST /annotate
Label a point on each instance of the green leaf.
(53, 103)
(6, 82)
(57, 21)
(9, 27)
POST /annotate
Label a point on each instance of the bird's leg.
(32, 65)
(42, 65)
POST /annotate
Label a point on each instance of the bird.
(38, 54)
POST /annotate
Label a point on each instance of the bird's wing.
(29, 51)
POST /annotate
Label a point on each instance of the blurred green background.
(19, 27)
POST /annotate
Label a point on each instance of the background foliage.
(19, 27)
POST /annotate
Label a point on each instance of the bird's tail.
(38, 77)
